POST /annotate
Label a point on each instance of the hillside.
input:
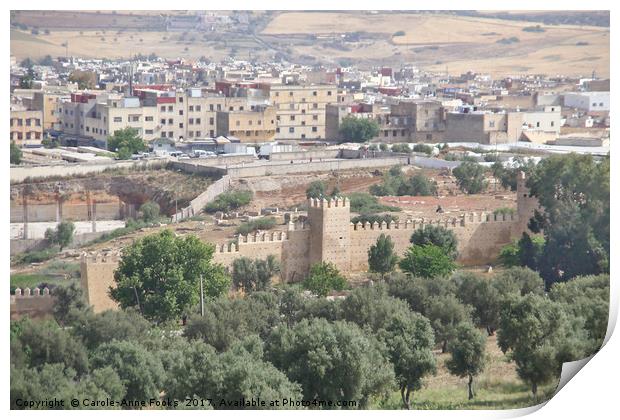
(436, 41)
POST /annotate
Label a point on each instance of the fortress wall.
(295, 251)
(97, 275)
(251, 246)
(480, 237)
(36, 303)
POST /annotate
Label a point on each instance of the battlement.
(28, 293)
(98, 258)
(463, 220)
(342, 202)
(265, 237)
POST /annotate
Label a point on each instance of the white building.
(588, 101)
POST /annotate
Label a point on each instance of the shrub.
(401, 148)
(323, 278)
(423, 148)
(229, 201)
(149, 211)
(264, 223)
(365, 203)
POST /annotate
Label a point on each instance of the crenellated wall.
(329, 236)
(35, 303)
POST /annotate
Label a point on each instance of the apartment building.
(179, 115)
(300, 110)
(249, 126)
(404, 121)
(483, 127)
(26, 127)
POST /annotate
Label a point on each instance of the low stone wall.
(198, 203)
(36, 304)
(285, 168)
(19, 246)
(304, 155)
(21, 173)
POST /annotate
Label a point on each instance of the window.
(170, 134)
(314, 129)
(291, 129)
(148, 131)
(211, 107)
(163, 134)
(250, 122)
(211, 121)
(170, 121)
(181, 99)
(315, 117)
(198, 108)
(277, 129)
(552, 123)
(163, 121)
(191, 108)
(197, 133)
(314, 93)
(180, 125)
(240, 108)
(197, 120)
(290, 94)
(212, 133)
(593, 103)
(162, 108)
(118, 119)
(258, 122)
(28, 135)
(315, 105)
(292, 118)
(277, 93)
(191, 121)
(191, 134)
(537, 124)
(303, 136)
(277, 118)
(429, 137)
(329, 93)
(394, 133)
(38, 122)
(491, 124)
(135, 118)
(148, 118)
(231, 108)
(37, 136)
(237, 123)
(169, 108)
(600, 104)
(180, 112)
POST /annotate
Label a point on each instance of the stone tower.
(330, 231)
(525, 204)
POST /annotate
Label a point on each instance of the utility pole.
(202, 298)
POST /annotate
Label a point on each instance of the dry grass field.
(437, 41)
(431, 41)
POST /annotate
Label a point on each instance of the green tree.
(44, 343)
(409, 339)
(518, 281)
(16, 154)
(468, 353)
(507, 175)
(141, 373)
(381, 256)
(470, 177)
(254, 275)
(417, 292)
(482, 296)
(445, 313)
(418, 185)
(160, 275)
(107, 326)
(226, 320)
(358, 130)
(426, 261)
(438, 236)
(573, 192)
(69, 304)
(62, 235)
(149, 211)
(315, 354)
(316, 189)
(323, 278)
(587, 298)
(537, 334)
(126, 142)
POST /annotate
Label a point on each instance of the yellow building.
(249, 126)
(300, 110)
(26, 127)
